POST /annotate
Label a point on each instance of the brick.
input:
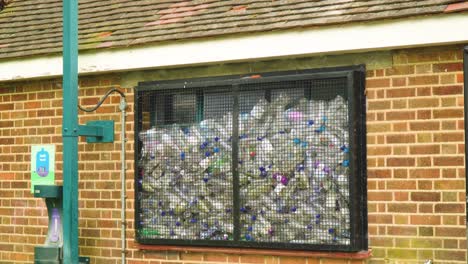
(425, 254)
(380, 116)
(400, 92)
(450, 231)
(401, 185)
(380, 219)
(448, 90)
(425, 231)
(450, 220)
(423, 68)
(449, 125)
(424, 149)
(402, 253)
(449, 137)
(423, 80)
(402, 242)
(400, 70)
(399, 104)
(460, 78)
(419, 57)
(400, 150)
(448, 79)
(400, 138)
(424, 114)
(401, 196)
(424, 185)
(423, 162)
(462, 243)
(449, 185)
(424, 173)
(373, 173)
(374, 128)
(401, 115)
(379, 105)
(448, 161)
(425, 196)
(449, 208)
(448, 113)
(399, 82)
(449, 197)
(423, 102)
(5, 107)
(448, 55)
(19, 97)
(400, 127)
(450, 243)
(425, 220)
(401, 162)
(451, 255)
(400, 173)
(377, 83)
(401, 219)
(452, 173)
(426, 243)
(371, 94)
(380, 241)
(447, 67)
(424, 91)
(379, 151)
(402, 208)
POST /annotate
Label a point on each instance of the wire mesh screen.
(293, 166)
(282, 180)
(185, 169)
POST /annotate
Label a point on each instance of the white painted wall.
(354, 37)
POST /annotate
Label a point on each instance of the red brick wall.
(415, 159)
(416, 176)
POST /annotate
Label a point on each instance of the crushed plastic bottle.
(293, 175)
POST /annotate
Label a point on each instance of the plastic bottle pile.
(293, 174)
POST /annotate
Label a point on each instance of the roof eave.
(353, 38)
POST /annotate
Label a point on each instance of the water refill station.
(61, 245)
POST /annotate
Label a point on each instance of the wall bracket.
(100, 131)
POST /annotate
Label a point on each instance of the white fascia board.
(357, 37)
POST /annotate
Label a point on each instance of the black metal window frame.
(355, 89)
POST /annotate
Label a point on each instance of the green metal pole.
(70, 131)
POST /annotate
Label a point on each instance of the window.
(275, 160)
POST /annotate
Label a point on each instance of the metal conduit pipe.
(123, 140)
(123, 197)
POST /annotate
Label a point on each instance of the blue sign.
(42, 163)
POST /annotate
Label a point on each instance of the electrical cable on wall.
(101, 101)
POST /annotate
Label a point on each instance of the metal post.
(70, 131)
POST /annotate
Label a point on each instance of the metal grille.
(293, 166)
(185, 169)
(255, 163)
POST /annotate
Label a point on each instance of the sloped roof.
(32, 27)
